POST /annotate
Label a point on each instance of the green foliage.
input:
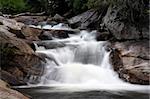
(100, 3)
(12, 6)
(133, 11)
(77, 6)
(37, 5)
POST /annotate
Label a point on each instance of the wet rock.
(103, 36)
(7, 93)
(83, 20)
(58, 33)
(50, 44)
(31, 33)
(17, 59)
(131, 61)
(45, 35)
(51, 22)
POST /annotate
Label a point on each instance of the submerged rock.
(50, 44)
(58, 33)
(131, 61)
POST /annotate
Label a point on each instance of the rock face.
(84, 20)
(31, 33)
(17, 60)
(7, 93)
(103, 36)
(12, 24)
(122, 30)
(131, 61)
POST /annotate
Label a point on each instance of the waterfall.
(82, 61)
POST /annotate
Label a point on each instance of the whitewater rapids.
(84, 65)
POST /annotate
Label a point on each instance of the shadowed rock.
(17, 59)
(131, 61)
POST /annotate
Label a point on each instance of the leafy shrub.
(101, 3)
(77, 6)
(12, 6)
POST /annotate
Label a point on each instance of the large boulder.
(7, 93)
(31, 33)
(131, 60)
(84, 20)
(5, 29)
(56, 33)
(17, 60)
(122, 30)
(12, 24)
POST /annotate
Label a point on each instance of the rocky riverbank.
(129, 44)
(7, 93)
(130, 52)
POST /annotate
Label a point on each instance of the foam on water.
(84, 65)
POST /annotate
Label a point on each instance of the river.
(79, 68)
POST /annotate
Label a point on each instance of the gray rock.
(119, 30)
(83, 20)
(7, 93)
(50, 44)
(131, 61)
(18, 59)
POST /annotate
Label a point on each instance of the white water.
(84, 64)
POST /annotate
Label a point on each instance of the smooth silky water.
(82, 71)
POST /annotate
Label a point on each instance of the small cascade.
(82, 61)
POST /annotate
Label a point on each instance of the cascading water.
(83, 61)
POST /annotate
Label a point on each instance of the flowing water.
(81, 70)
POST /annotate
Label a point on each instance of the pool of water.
(42, 92)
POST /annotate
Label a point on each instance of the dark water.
(48, 93)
